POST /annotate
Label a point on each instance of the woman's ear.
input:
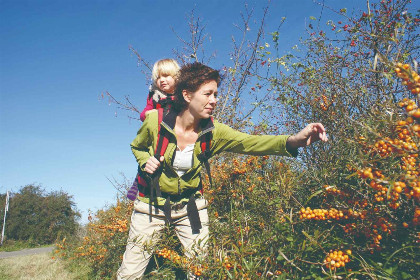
(186, 95)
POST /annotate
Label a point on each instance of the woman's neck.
(187, 122)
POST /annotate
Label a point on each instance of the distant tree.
(40, 217)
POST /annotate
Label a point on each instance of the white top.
(183, 159)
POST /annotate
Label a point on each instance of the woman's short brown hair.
(191, 77)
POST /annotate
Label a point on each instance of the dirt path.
(25, 252)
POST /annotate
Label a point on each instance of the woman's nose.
(213, 99)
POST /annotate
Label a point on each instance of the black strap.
(167, 210)
(193, 216)
(192, 212)
(207, 165)
(154, 192)
(204, 158)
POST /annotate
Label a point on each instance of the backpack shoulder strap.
(160, 117)
(163, 137)
(205, 144)
(161, 145)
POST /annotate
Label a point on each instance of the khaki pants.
(143, 235)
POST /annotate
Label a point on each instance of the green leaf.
(405, 275)
(313, 195)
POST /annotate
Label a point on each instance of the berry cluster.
(410, 78)
(178, 260)
(332, 190)
(416, 219)
(328, 214)
(227, 263)
(336, 259)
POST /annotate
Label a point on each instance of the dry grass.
(40, 266)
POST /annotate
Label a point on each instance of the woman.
(187, 124)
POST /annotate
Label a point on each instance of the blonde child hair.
(165, 67)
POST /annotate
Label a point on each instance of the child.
(164, 74)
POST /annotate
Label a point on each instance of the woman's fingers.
(320, 130)
(312, 133)
(307, 136)
(152, 164)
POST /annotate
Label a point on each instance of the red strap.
(164, 145)
(162, 140)
(206, 142)
(160, 117)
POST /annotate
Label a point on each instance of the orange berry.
(409, 108)
(398, 189)
(416, 113)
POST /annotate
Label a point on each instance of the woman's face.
(201, 103)
(166, 83)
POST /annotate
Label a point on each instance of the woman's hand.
(152, 164)
(311, 133)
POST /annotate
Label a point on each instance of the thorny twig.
(192, 47)
(121, 188)
(245, 61)
(128, 106)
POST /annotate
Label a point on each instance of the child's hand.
(152, 164)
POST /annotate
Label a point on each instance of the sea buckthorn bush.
(102, 244)
(359, 78)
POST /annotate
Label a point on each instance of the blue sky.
(57, 57)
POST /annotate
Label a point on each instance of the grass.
(40, 266)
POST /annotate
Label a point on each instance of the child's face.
(166, 83)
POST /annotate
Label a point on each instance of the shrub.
(103, 244)
(38, 217)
